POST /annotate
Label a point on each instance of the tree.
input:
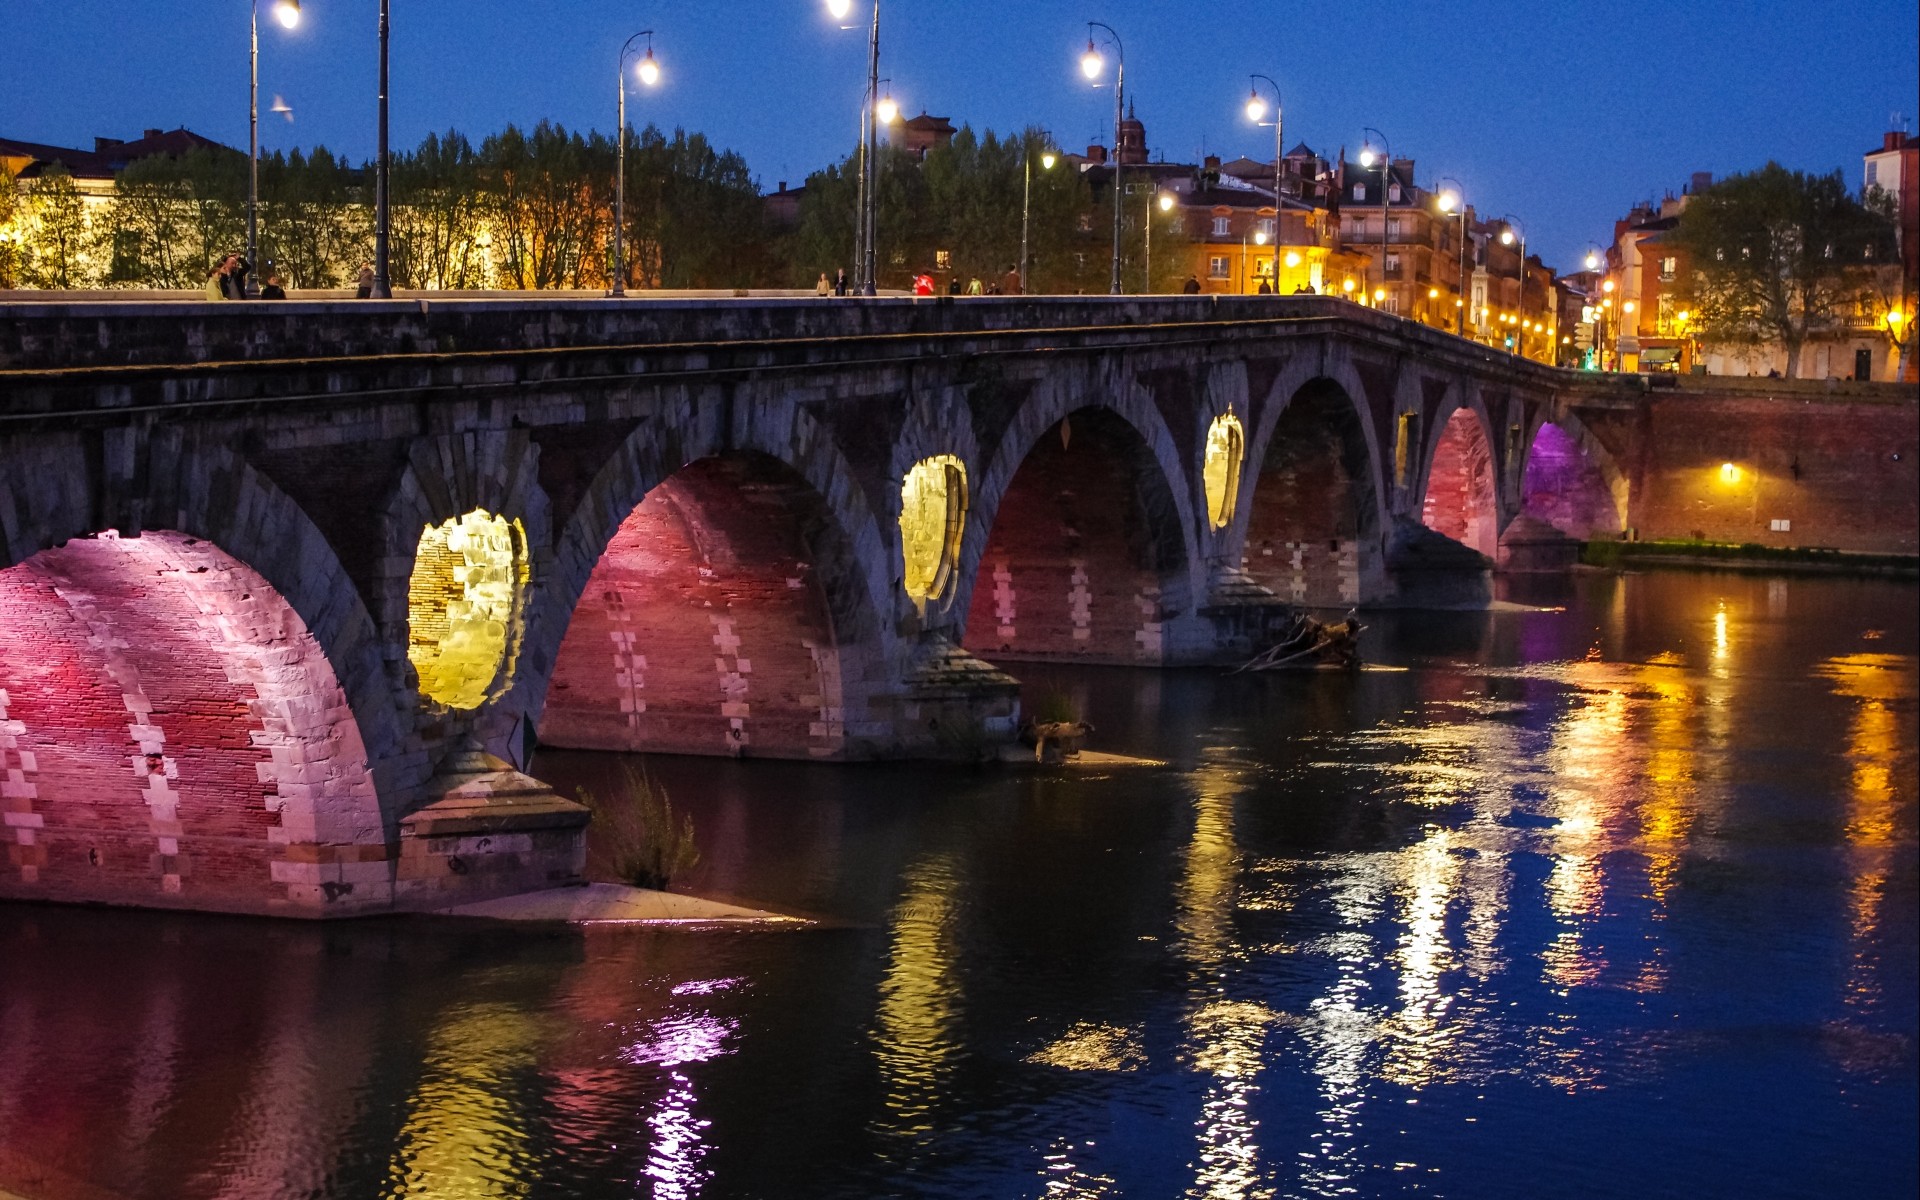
(9, 233)
(1778, 256)
(313, 228)
(436, 214)
(58, 233)
(174, 218)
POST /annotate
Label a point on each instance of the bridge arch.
(1460, 483)
(1315, 440)
(732, 599)
(1571, 481)
(173, 733)
(1081, 539)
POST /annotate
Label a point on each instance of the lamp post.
(287, 12)
(383, 162)
(863, 250)
(649, 72)
(1256, 112)
(1091, 64)
(1047, 159)
(1507, 239)
(1164, 201)
(1453, 199)
(1386, 179)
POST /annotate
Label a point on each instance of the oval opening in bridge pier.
(462, 603)
(1220, 470)
(933, 515)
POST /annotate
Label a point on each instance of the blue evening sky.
(1562, 112)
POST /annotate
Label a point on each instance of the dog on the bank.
(1058, 731)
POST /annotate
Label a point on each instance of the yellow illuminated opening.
(933, 514)
(461, 601)
(1730, 473)
(1220, 472)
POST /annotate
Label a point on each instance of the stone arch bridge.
(288, 594)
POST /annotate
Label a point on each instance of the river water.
(1615, 901)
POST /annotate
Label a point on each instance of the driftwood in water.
(1310, 644)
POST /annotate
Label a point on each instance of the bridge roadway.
(289, 593)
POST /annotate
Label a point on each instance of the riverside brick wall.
(703, 629)
(1838, 473)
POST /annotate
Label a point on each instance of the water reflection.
(1362, 936)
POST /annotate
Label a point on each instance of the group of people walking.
(228, 281)
(924, 284)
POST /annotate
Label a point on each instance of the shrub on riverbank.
(635, 832)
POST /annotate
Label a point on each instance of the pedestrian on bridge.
(824, 287)
(840, 282)
(363, 290)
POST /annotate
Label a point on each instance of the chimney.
(1096, 155)
(1891, 140)
(783, 185)
(1212, 162)
(150, 134)
(1702, 180)
(103, 144)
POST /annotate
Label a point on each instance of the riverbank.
(1730, 556)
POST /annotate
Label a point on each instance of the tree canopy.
(1779, 256)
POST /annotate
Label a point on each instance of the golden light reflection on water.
(1088, 1046)
(1880, 754)
(917, 1040)
(1420, 1036)
(463, 1135)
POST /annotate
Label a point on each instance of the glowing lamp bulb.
(1593, 262)
(1379, 293)
(1346, 285)
(1894, 318)
(886, 110)
(1449, 201)
(838, 9)
(649, 70)
(1259, 237)
(1506, 237)
(1433, 293)
(287, 12)
(1607, 286)
(1729, 473)
(1293, 260)
(1047, 160)
(1166, 201)
(1091, 64)
(1366, 156)
(1256, 109)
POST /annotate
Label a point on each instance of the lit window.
(1359, 191)
(462, 605)
(1668, 268)
(1393, 193)
(1393, 229)
(933, 515)
(1217, 267)
(1220, 472)
(1222, 226)
(1393, 264)
(942, 259)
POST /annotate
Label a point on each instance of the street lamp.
(1164, 201)
(1256, 112)
(1047, 159)
(1386, 180)
(863, 248)
(1452, 199)
(649, 73)
(287, 12)
(1091, 64)
(382, 171)
(1507, 239)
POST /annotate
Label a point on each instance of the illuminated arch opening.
(933, 514)
(726, 616)
(172, 734)
(1086, 552)
(1564, 487)
(1220, 470)
(1460, 501)
(462, 605)
(1312, 525)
